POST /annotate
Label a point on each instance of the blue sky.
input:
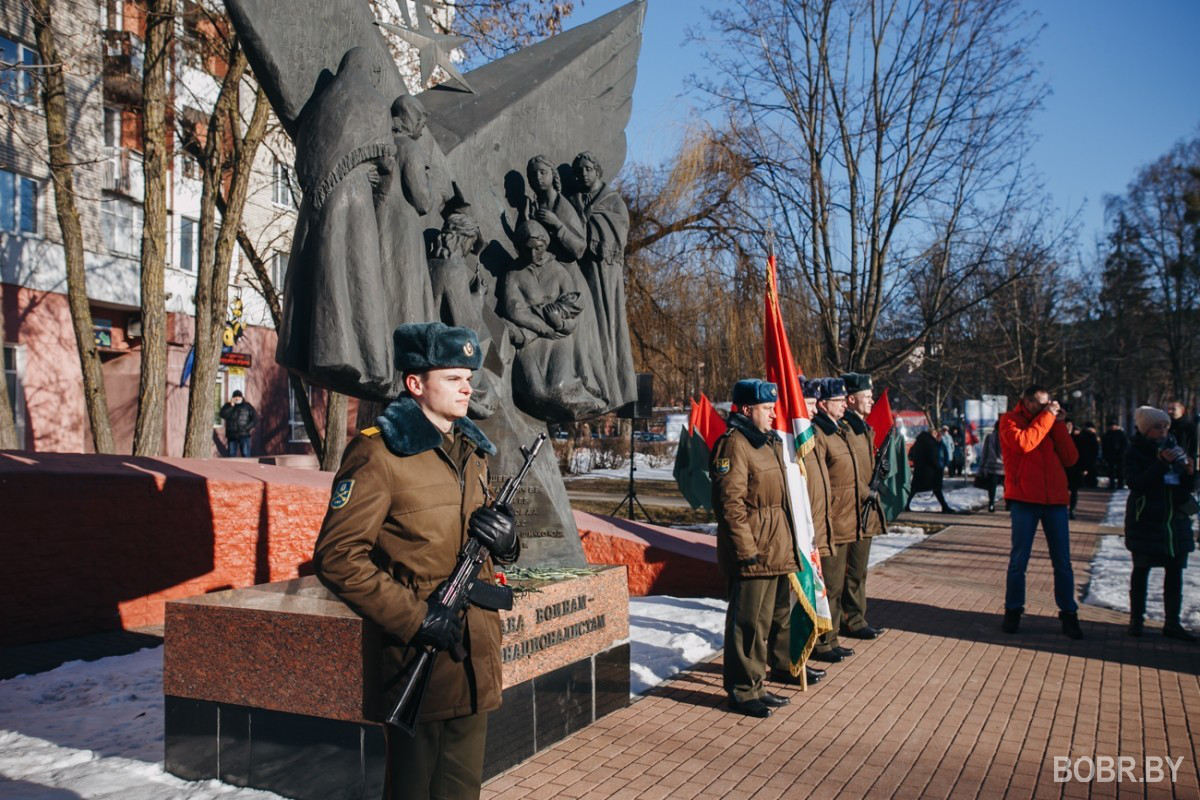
(1124, 80)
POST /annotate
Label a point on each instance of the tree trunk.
(299, 387)
(212, 285)
(54, 101)
(335, 431)
(152, 384)
(8, 423)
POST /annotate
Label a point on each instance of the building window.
(297, 431)
(279, 263)
(16, 74)
(13, 358)
(122, 222)
(189, 244)
(18, 203)
(281, 185)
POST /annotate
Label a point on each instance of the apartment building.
(102, 43)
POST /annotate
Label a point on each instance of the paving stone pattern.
(943, 705)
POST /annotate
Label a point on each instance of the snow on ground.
(1109, 584)
(649, 468)
(95, 729)
(669, 634)
(1115, 516)
(967, 498)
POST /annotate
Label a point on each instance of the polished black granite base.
(311, 758)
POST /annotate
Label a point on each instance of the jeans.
(239, 446)
(1025, 518)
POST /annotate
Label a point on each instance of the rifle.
(459, 590)
(878, 476)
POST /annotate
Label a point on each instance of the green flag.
(691, 470)
(897, 486)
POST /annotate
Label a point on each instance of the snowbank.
(1109, 584)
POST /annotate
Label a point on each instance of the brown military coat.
(861, 437)
(817, 479)
(843, 467)
(392, 534)
(754, 514)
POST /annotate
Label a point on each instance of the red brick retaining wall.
(102, 542)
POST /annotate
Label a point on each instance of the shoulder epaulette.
(372, 431)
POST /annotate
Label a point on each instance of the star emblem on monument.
(433, 48)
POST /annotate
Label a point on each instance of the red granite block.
(659, 560)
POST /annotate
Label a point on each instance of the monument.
(482, 202)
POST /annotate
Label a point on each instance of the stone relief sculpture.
(553, 330)
(553, 211)
(606, 221)
(460, 295)
(385, 235)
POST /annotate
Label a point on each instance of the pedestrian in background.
(926, 458)
(1037, 450)
(240, 419)
(991, 467)
(1112, 449)
(1075, 471)
(1183, 429)
(1158, 518)
(1089, 453)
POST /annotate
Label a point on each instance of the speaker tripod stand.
(631, 497)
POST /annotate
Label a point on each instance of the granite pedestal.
(276, 686)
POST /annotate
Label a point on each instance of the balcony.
(124, 55)
(121, 172)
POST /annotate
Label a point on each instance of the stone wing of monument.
(569, 93)
(295, 48)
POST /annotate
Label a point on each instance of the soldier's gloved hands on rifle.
(494, 528)
(441, 629)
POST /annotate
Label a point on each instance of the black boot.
(1136, 626)
(1070, 623)
(1012, 620)
(1177, 631)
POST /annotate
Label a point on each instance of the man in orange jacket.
(1037, 450)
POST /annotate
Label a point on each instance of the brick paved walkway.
(943, 705)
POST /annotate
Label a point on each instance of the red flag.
(781, 366)
(881, 419)
(706, 421)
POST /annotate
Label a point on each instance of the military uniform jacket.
(817, 480)
(754, 515)
(861, 438)
(842, 464)
(392, 534)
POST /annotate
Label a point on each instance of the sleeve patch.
(721, 466)
(341, 494)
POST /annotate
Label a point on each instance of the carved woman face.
(587, 175)
(536, 246)
(542, 177)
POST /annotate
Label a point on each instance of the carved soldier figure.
(606, 222)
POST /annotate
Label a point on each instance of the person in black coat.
(1158, 518)
(1183, 429)
(240, 419)
(1112, 449)
(927, 469)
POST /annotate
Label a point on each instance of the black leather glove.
(495, 530)
(441, 629)
(748, 562)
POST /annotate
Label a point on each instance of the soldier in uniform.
(817, 474)
(408, 494)
(842, 514)
(756, 547)
(860, 397)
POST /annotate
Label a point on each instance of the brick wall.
(102, 542)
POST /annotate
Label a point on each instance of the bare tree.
(8, 423)
(1164, 234)
(160, 34)
(62, 167)
(227, 155)
(877, 129)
